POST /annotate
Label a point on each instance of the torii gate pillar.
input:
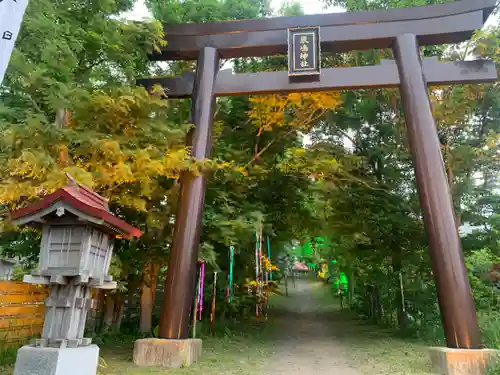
(454, 294)
(179, 284)
(178, 350)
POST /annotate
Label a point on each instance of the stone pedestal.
(448, 361)
(33, 360)
(166, 353)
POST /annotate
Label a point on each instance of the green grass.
(241, 350)
(242, 355)
(371, 349)
(7, 358)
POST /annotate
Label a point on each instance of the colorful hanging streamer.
(230, 282)
(269, 258)
(202, 283)
(259, 275)
(257, 302)
(212, 312)
(260, 271)
(196, 302)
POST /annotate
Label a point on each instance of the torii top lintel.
(434, 24)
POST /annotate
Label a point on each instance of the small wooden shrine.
(78, 232)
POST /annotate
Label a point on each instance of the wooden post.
(179, 285)
(454, 294)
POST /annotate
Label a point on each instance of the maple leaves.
(299, 111)
(119, 143)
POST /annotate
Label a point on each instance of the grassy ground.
(239, 354)
(373, 350)
(242, 352)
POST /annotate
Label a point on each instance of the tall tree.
(70, 105)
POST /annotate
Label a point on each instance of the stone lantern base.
(166, 353)
(34, 360)
(448, 361)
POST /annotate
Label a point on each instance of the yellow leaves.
(63, 154)
(129, 178)
(267, 111)
(158, 90)
(266, 264)
(231, 167)
(143, 164)
(297, 110)
(129, 200)
(30, 164)
(109, 149)
(175, 160)
(453, 105)
(295, 97)
(317, 163)
(242, 170)
(119, 141)
(122, 174)
(10, 191)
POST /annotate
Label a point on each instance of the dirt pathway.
(305, 342)
(313, 337)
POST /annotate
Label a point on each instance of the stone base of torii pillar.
(168, 353)
(450, 361)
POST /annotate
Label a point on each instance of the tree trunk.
(351, 290)
(61, 117)
(101, 304)
(402, 316)
(377, 305)
(109, 311)
(133, 283)
(119, 310)
(449, 175)
(154, 279)
(148, 294)
(286, 284)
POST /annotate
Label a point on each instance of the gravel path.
(306, 340)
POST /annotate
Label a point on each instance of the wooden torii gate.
(403, 30)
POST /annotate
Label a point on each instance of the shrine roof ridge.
(82, 199)
(332, 19)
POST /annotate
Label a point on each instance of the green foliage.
(357, 5)
(174, 11)
(7, 356)
(70, 105)
(24, 244)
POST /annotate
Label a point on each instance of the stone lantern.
(78, 232)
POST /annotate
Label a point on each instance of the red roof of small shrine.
(82, 199)
(300, 266)
(494, 274)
